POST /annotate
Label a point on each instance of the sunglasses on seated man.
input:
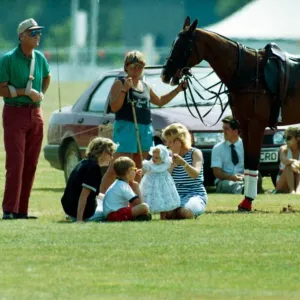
(34, 32)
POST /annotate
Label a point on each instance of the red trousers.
(23, 135)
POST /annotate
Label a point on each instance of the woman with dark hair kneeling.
(79, 200)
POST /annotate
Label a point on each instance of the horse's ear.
(193, 26)
(187, 22)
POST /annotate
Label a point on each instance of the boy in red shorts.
(123, 202)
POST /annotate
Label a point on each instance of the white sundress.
(158, 187)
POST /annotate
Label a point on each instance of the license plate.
(269, 156)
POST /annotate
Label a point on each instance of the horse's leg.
(246, 204)
(245, 139)
(252, 111)
(252, 135)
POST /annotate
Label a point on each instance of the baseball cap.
(28, 24)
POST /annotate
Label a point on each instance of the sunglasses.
(289, 137)
(136, 65)
(34, 32)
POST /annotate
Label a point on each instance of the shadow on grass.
(65, 222)
(228, 212)
(213, 190)
(61, 190)
(210, 189)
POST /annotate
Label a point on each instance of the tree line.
(55, 15)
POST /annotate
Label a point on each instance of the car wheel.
(71, 159)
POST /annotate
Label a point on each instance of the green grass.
(221, 255)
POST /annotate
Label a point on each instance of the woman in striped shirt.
(187, 172)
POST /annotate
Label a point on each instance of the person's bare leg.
(110, 174)
(140, 209)
(172, 214)
(281, 185)
(184, 213)
(290, 179)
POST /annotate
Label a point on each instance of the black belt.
(25, 105)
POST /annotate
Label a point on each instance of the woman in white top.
(288, 179)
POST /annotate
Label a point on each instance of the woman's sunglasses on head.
(35, 32)
(136, 65)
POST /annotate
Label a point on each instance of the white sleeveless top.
(289, 155)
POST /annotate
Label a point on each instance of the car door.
(92, 121)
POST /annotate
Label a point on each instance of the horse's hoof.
(245, 206)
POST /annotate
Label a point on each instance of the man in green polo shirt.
(24, 79)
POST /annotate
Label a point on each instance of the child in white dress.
(157, 186)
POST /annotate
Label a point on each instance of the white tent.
(262, 20)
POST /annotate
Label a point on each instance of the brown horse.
(252, 101)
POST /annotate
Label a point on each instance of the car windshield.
(161, 88)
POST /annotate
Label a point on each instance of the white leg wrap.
(251, 190)
(246, 182)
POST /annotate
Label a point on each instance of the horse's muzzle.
(164, 77)
(175, 80)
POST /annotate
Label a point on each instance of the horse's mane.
(227, 38)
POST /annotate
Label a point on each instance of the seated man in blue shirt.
(227, 160)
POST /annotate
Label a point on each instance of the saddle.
(281, 72)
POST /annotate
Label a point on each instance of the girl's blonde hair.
(133, 57)
(99, 145)
(179, 132)
(293, 131)
(122, 164)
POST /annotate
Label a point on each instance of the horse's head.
(184, 54)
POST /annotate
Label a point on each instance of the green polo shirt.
(15, 69)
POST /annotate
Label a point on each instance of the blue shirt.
(221, 158)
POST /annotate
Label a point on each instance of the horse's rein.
(187, 77)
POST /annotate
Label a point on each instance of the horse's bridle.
(187, 75)
(184, 61)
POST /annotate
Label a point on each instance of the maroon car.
(71, 129)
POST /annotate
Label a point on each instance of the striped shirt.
(185, 184)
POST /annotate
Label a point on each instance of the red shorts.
(123, 214)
